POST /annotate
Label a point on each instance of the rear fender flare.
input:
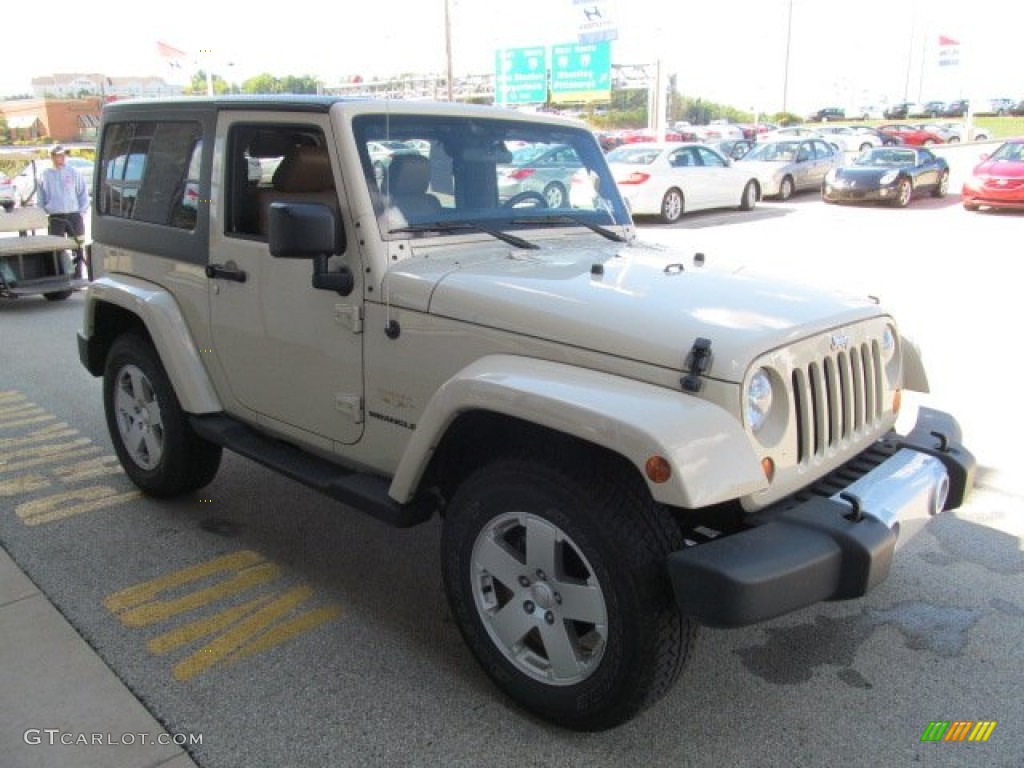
(158, 311)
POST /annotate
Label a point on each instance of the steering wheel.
(523, 197)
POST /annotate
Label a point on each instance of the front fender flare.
(158, 311)
(711, 457)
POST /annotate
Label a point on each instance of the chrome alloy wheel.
(139, 420)
(538, 598)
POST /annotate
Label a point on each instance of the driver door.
(291, 355)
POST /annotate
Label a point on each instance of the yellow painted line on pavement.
(237, 631)
(234, 644)
(23, 484)
(138, 606)
(51, 432)
(59, 506)
(101, 466)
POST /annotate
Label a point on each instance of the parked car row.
(667, 180)
(957, 108)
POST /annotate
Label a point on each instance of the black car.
(829, 113)
(955, 109)
(898, 111)
(891, 175)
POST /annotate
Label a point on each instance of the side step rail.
(366, 492)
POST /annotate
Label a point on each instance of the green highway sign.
(581, 72)
(521, 76)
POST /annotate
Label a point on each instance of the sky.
(846, 53)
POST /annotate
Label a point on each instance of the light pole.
(785, 77)
(448, 47)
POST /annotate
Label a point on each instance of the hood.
(638, 302)
(866, 173)
(1000, 169)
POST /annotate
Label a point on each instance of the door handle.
(223, 272)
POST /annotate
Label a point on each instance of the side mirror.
(310, 231)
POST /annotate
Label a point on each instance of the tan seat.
(406, 182)
(304, 176)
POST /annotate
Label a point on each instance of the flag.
(949, 51)
(173, 55)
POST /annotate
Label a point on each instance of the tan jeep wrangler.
(622, 443)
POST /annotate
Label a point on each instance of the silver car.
(785, 166)
(544, 170)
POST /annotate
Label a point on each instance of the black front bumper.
(822, 548)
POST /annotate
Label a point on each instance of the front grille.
(836, 398)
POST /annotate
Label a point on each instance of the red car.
(915, 137)
(998, 180)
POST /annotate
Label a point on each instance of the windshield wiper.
(562, 218)
(451, 226)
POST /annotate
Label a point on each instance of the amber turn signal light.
(658, 469)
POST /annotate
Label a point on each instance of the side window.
(269, 162)
(146, 172)
(709, 159)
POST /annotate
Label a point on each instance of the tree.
(220, 85)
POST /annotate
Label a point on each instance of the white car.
(850, 139)
(717, 131)
(954, 132)
(672, 178)
(785, 166)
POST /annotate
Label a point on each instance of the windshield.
(775, 152)
(1011, 151)
(483, 174)
(887, 157)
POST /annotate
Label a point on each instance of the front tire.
(904, 193)
(556, 581)
(150, 431)
(943, 186)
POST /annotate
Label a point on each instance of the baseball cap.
(58, 149)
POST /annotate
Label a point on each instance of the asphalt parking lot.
(367, 668)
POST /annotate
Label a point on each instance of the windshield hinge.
(700, 362)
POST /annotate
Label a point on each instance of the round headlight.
(889, 177)
(888, 344)
(759, 399)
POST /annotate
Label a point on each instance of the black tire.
(971, 207)
(151, 434)
(8, 206)
(556, 195)
(606, 606)
(673, 205)
(786, 188)
(904, 193)
(749, 198)
(943, 186)
(57, 295)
